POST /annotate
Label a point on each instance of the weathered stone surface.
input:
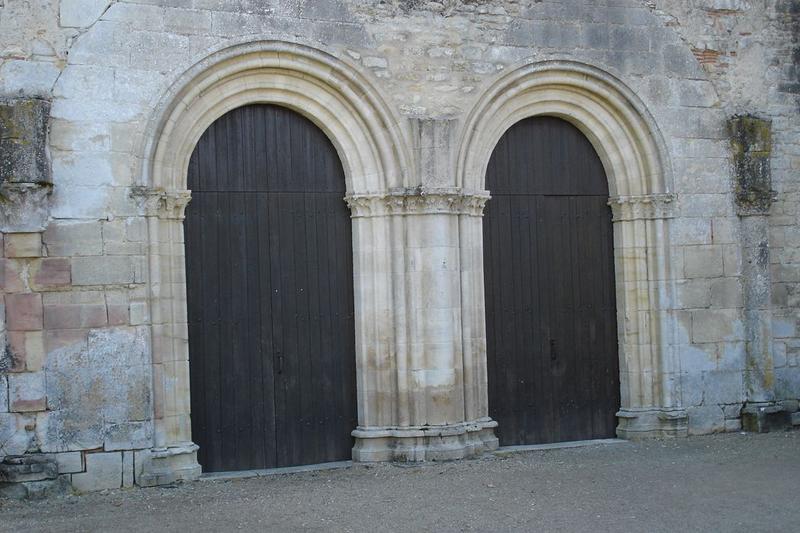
(24, 312)
(26, 392)
(3, 394)
(23, 141)
(73, 238)
(714, 288)
(105, 270)
(751, 145)
(31, 467)
(81, 13)
(50, 272)
(99, 391)
(103, 471)
(26, 350)
(69, 462)
(15, 438)
(23, 245)
(26, 206)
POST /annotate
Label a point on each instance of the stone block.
(23, 244)
(50, 272)
(796, 419)
(103, 270)
(15, 439)
(23, 312)
(81, 13)
(765, 418)
(704, 261)
(117, 304)
(726, 293)
(29, 467)
(23, 135)
(694, 293)
(139, 313)
(69, 462)
(68, 339)
(705, 419)
(11, 275)
(75, 316)
(128, 436)
(127, 469)
(711, 325)
(26, 206)
(76, 238)
(103, 471)
(26, 392)
(27, 350)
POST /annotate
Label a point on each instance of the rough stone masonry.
(99, 98)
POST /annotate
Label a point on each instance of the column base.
(649, 423)
(162, 466)
(424, 443)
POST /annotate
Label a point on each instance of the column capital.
(170, 205)
(642, 207)
(418, 201)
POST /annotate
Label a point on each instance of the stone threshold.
(245, 474)
(504, 450)
(507, 450)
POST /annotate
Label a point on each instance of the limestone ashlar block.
(51, 272)
(26, 350)
(26, 392)
(75, 316)
(704, 261)
(23, 244)
(11, 275)
(75, 310)
(73, 238)
(104, 270)
(24, 312)
(103, 471)
(69, 462)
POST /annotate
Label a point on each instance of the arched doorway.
(270, 294)
(552, 349)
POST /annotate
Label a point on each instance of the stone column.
(421, 372)
(650, 405)
(174, 455)
(751, 148)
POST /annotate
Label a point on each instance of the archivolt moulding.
(370, 139)
(635, 159)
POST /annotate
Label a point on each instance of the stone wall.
(80, 378)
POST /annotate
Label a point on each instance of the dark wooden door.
(270, 294)
(549, 275)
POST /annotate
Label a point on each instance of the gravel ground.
(731, 482)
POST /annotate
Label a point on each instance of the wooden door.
(549, 275)
(270, 294)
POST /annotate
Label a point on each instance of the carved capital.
(168, 205)
(644, 207)
(24, 206)
(418, 202)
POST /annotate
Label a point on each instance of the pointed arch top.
(371, 140)
(609, 113)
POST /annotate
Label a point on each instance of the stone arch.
(372, 144)
(369, 137)
(635, 159)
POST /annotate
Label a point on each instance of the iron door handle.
(280, 364)
(553, 350)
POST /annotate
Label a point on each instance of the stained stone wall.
(91, 241)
